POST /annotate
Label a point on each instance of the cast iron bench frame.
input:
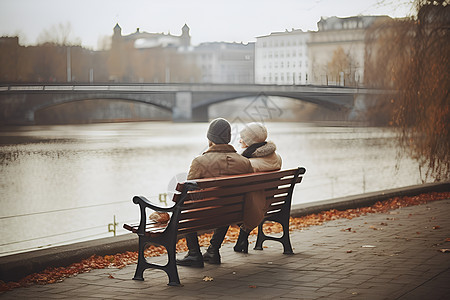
(206, 204)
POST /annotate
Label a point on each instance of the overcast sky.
(209, 20)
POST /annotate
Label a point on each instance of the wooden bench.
(210, 203)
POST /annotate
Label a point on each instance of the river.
(64, 184)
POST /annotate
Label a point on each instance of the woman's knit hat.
(254, 133)
(219, 131)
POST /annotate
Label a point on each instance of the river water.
(65, 184)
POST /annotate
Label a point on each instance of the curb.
(16, 266)
(367, 199)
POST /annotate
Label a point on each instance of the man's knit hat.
(254, 133)
(219, 131)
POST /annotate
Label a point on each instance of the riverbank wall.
(16, 266)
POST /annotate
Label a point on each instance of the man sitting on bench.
(220, 159)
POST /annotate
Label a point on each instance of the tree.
(341, 68)
(60, 34)
(412, 57)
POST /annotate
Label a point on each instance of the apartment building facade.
(337, 50)
(282, 58)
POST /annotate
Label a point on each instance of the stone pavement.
(378, 256)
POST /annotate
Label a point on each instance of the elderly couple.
(221, 159)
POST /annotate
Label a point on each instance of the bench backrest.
(220, 201)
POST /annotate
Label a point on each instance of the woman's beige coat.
(264, 159)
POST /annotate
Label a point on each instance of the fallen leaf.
(252, 286)
(373, 227)
(444, 250)
(349, 251)
(207, 278)
(447, 239)
(110, 276)
(436, 227)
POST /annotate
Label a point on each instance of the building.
(282, 58)
(151, 57)
(140, 40)
(165, 58)
(337, 50)
(221, 62)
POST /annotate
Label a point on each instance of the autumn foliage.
(120, 260)
(411, 58)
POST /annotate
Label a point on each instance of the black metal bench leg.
(141, 265)
(285, 239)
(171, 267)
(261, 238)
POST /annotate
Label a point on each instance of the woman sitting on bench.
(263, 158)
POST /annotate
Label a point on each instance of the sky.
(209, 20)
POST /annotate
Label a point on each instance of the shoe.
(192, 259)
(212, 256)
(242, 242)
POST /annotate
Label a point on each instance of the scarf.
(250, 149)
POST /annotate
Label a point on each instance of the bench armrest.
(142, 201)
(143, 204)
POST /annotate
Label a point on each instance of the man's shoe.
(194, 260)
(212, 256)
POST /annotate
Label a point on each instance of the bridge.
(186, 102)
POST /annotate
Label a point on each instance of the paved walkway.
(377, 256)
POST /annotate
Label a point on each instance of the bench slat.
(213, 201)
(276, 191)
(211, 212)
(234, 190)
(210, 223)
(248, 178)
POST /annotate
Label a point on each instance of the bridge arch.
(64, 98)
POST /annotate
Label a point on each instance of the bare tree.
(341, 68)
(412, 56)
(60, 34)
